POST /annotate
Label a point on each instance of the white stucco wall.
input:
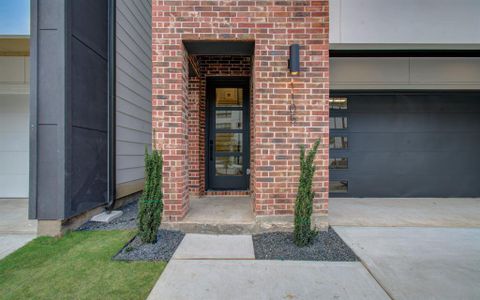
(411, 23)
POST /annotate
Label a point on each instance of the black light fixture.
(294, 61)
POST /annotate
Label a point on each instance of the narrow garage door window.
(338, 163)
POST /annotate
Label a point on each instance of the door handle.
(210, 151)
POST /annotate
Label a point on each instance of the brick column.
(169, 117)
(273, 26)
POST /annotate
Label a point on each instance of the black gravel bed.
(125, 221)
(163, 249)
(327, 246)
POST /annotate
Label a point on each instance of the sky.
(14, 17)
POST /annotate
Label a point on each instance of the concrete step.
(227, 228)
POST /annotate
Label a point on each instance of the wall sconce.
(294, 61)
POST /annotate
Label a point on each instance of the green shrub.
(303, 233)
(151, 205)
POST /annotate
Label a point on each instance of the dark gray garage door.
(405, 145)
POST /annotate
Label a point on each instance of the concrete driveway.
(420, 263)
(417, 212)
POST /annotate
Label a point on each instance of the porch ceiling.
(219, 47)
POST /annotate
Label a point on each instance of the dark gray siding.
(88, 82)
(47, 109)
(68, 107)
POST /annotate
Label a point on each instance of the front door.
(228, 134)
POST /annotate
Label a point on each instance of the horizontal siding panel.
(134, 88)
(131, 135)
(134, 109)
(126, 175)
(130, 162)
(133, 29)
(126, 93)
(125, 47)
(129, 148)
(133, 83)
(138, 16)
(128, 121)
(127, 60)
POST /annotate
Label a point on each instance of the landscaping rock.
(327, 246)
(163, 249)
(126, 221)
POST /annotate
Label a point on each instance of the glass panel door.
(227, 166)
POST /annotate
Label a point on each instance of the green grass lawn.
(76, 266)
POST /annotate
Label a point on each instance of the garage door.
(405, 145)
(13, 146)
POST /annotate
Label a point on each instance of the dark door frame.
(211, 84)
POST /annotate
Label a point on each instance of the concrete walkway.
(222, 267)
(420, 263)
(15, 228)
(416, 212)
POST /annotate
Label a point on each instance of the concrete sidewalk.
(420, 263)
(11, 242)
(222, 267)
(15, 228)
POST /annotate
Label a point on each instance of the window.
(338, 163)
(338, 122)
(228, 166)
(229, 97)
(229, 119)
(338, 103)
(338, 186)
(338, 142)
(228, 142)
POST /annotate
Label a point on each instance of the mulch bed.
(163, 249)
(327, 246)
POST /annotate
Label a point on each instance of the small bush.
(151, 205)
(303, 233)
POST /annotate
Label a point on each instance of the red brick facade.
(277, 127)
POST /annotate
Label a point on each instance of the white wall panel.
(408, 22)
(134, 88)
(14, 120)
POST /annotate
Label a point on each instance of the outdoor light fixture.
(294, 61)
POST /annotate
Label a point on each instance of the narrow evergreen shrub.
(151, 205)
(303, 233)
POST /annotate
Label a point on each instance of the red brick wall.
(273, 25)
